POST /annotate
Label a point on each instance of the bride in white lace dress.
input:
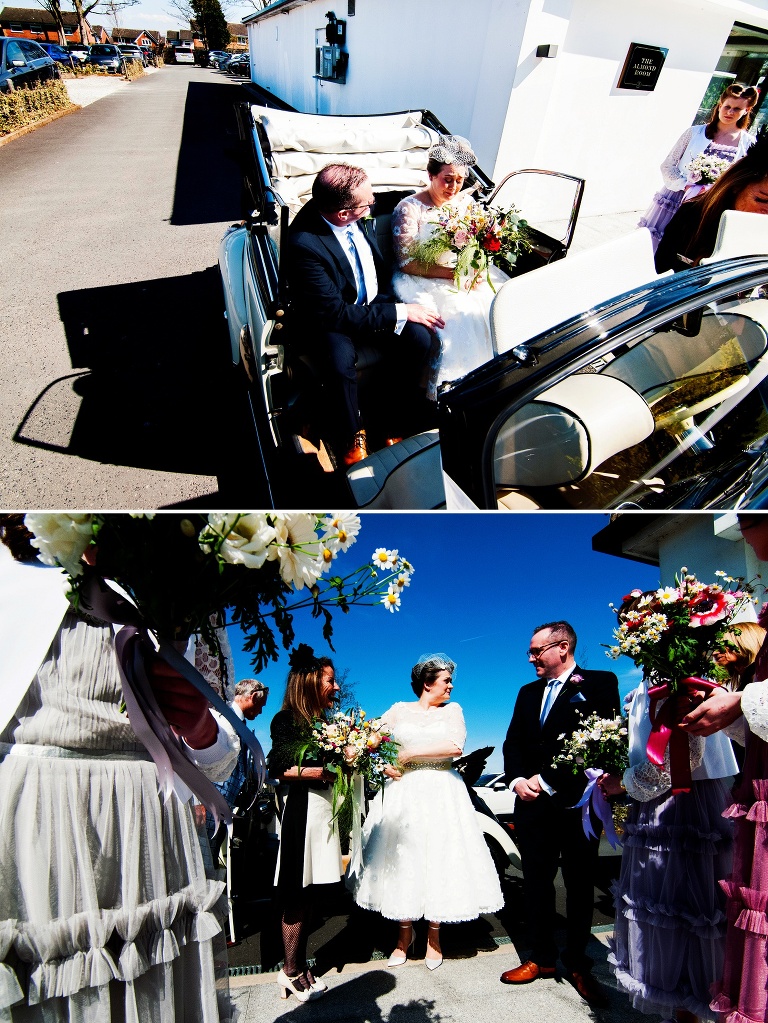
(424, 853)
(465, 341)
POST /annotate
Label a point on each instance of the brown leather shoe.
(589, 989)
(526, 972)
(359, 449)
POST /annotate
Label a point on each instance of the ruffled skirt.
(424, 853)
(105, 909)
(664, 206)
(669, 936)
(743, 993)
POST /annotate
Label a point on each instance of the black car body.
(108, 56)
(610, 387)
(132, 52)
(239, 64)
(24, 62)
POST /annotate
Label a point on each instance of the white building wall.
(475, 66)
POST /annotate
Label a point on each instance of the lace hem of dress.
(65, 956)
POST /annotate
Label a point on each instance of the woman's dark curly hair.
(16, 537)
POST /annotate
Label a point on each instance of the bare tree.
(54, 9)
(106, 7)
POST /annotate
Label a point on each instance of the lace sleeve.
(456, 729)
(670, 171)
(405, 228)
(646, 781)
(754, 704)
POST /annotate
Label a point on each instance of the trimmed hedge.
(26, 106)
(133, 69)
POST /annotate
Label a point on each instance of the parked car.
(132, 52)
(108, 56)
(24, 62)
(59, 54)
(184, 54)
(218, 58)
(497, 830)
(496, 795)
(239, 64)
(610, 387)
(79, 51)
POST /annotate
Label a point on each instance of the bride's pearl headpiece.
(453, 149)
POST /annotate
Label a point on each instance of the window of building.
(744, 59)
(15, 26)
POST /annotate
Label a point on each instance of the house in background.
(600, 89)
(35, 23)
(137, 36)
(183, 37)
(100, 34)
(703, 543)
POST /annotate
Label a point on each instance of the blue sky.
(482, 582)
(159, 14)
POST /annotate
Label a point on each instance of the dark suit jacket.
(530, 748)
(322, 283)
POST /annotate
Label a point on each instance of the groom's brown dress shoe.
(526, 972)
(589, 989)
(358, 450)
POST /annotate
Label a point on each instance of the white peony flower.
(298, 550)
(61, 538)
(247, 538)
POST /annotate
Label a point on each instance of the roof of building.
(35, 15)
(276, 7)
(133, 33)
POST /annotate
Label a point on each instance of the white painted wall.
(474, 65)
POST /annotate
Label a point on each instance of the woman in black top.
(309, 846)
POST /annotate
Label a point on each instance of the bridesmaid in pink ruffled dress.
(742, 995)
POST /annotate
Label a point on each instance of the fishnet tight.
(294, 926)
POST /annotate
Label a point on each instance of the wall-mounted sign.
(642, 67)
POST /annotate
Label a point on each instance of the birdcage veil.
(453, 149)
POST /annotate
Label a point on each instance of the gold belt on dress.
(429, 765)
(46, 752)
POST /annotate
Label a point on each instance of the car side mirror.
(499, 786)
(19, 63)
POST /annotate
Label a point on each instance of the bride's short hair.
(334, 187)
(427, 670)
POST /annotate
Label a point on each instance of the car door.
(18, 71)
(657, 399)
(41, 67)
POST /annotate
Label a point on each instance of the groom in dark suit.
(340, 304)
(547, 828)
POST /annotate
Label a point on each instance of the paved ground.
(113, 340)
(85, 91)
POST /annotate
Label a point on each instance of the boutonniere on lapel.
(575, 680)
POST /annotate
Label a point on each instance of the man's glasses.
(535, 651)
(363, 206)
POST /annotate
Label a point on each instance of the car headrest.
(740, 234)
(568, 430)
(527, 305)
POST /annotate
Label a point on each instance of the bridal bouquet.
(476, 236)
(671, 633)
(600, 746)
(601, 742)
(705, 170)
(349, 744)
(199, 573)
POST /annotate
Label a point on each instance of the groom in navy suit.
(547, 828)
(339, 285)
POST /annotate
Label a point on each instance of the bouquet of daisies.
(600, 742)
(347, 744)
(705, 170)
(471, 238)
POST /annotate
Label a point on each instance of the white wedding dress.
(424, 854)
(465, 341)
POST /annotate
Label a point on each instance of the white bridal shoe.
(293, 986)
(432, 964)
(399, 958)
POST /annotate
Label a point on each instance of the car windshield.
(485, 779)
(104, 51)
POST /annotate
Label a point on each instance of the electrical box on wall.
(330, 59)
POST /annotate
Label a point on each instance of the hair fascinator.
(303, 658)
(453, 149)
(433, 662)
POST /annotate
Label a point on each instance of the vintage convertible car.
(610, 387)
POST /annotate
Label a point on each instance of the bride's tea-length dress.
(465, 340)
(424, 852)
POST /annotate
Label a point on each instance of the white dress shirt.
(369, 269)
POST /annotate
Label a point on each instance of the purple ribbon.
(594, 797)
(133, 646)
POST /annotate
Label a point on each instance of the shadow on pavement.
(208, 173)
(154, 391)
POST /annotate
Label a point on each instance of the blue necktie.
(358, 266)
(551, 683)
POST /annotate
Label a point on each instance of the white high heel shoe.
(317, 984)
(432, 964)
(293, 986)
(399, 958)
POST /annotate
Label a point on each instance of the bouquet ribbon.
(594, 797)
(133, 644)
(666, 731)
